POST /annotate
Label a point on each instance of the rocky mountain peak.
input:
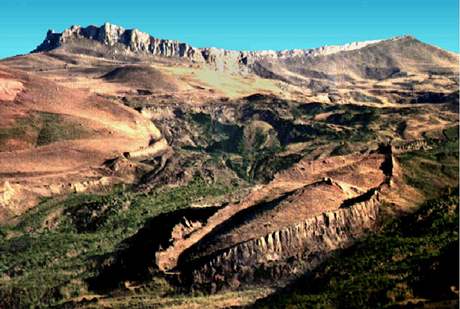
(132, 40)
(135, 42)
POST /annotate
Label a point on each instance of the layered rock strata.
(140, 42)
(286, 252)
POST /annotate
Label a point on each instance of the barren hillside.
(142, 171)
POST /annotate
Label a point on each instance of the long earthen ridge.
(310, 240)
(301, 246)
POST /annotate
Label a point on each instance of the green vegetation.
(47, 258)
(266, 135)
(219, 137)
(42, 128)
(54, 128)
(413, 259)
(19, 130)
(254, 146)
(243, 147)
(431, 170)
(364, 117)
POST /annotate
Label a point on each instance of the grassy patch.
(42, 128)
(431, 170)
(24, 129)
(55, 128)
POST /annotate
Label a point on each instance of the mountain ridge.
(404, 54)
(135, 170)
(136, 40)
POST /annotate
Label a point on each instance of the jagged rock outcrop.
(133, 40)
(9, 195)
(276, 231)
(138, 41)
(248, 218)
(287, 252)
(6, 193)
(338, 74)
(293, 249)
(112, 35)
(411, 146)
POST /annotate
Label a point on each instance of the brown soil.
(307, 196)
(142, 77)
(112, 129)
(354, 173)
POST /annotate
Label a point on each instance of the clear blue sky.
(237, 24)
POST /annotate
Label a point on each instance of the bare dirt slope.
(400, 70)
(265, 164)
(299, 193)
(50, 134)
(162, 77)
(397, 70)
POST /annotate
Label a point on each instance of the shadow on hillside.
(135, 258)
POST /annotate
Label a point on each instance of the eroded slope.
(54, 139)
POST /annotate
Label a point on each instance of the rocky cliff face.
(287, 252)
(294, 249)
(136, 41)
(411, 146)
(332, 71)
(112, 35)
(340, 74)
